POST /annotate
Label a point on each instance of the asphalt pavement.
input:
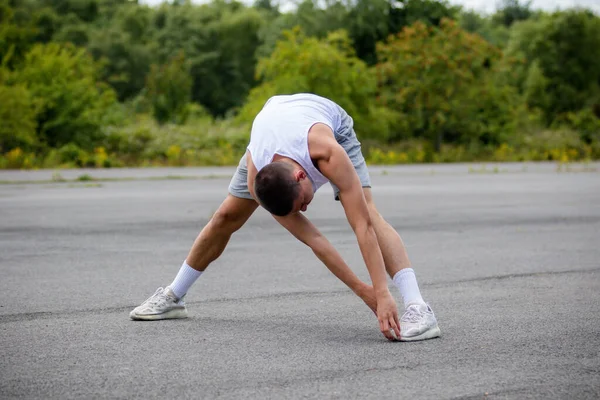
(508, 256)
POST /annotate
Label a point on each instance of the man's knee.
(227, 220)
(229, 217)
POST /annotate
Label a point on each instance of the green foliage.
(325, 67)
(429, 12)
(511, 11)
(366, 21)
(223, 80)
(70, 102)
(72, 30)
(486, 27)
(219, 40)
(514, 85)
(169, 90)
(203, 142)
(17, 33)
(440, 81)
(127, 63)
(18, 118)
(562, 53)
(585, 121)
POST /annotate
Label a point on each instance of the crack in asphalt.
(540, 391)
(18, 317)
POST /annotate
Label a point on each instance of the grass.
(85, 185)
(569, 167)
(484, 170)
(57, 178)
(89, 178)
(84, 178)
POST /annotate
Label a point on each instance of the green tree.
(224, 78)
(72, 30)
(369, 22)
(429, 12)
(169, 90)
(511, 11)
(17, 114)
(84, 10)
(561, 58)
(440, 81)
(495, 33)
(71, 104)
(220, 41)
(126, 63)
(17, 33)
(327, 67)
(47, 24)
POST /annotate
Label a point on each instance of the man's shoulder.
(321, 141)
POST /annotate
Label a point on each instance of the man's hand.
(387, 314)
(387, 306)
(299, 226)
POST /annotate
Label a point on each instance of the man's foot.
(418, 323)
(162, 305)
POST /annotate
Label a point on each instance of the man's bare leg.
(392, 248)
(395, 256)
(167, 302)
(418, 321)
(212, 240)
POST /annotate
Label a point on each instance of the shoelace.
(157, 297)
(412, 314)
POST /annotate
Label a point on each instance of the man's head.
(283, 188)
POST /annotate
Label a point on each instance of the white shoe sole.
(429, 334)
(172, 314)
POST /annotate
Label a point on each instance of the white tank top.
(282, 128)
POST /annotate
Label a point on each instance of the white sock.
(184, 280)
(406, 282)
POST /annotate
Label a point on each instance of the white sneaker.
(162, 305)
(418, 323)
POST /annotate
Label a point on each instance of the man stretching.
(298, 143)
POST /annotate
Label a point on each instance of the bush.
(169, 90)
(17, 159)
(326, 67)
(17, 113)
(441, 82)
(203, 142)
(63, 83)
(72, 155)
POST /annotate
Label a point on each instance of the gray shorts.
(345, 136)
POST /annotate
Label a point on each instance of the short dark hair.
(276, 188)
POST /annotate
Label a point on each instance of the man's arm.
(335, 164)
(299, 226)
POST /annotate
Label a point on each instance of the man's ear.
(299, 175)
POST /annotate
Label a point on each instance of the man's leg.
(418, 321)
(392, 248)
(235, 210)
(212, 240)
(395, 256)
(167, 303)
